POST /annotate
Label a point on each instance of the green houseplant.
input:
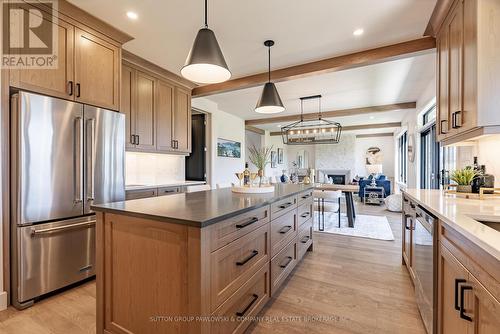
(260, 157)
(463, 178)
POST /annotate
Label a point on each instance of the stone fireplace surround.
(323, 174)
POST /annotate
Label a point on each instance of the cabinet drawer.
(169, 191)
(279, 208)
(246, 302)
(231, 229)
(143, 193)
(232, 265)
(305, 196)
(305, 212)
(283, 229)
(282, 264)
(304, 238)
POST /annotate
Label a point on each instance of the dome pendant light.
(205, 62)
(270, 101)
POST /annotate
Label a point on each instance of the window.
(403, 157)
(429, 116)
(430, 158)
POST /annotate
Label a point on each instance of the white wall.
(386, 145)
(276, 142)
(226, 126)
(252, 139)
(151, 168)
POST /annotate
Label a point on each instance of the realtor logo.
(29, 34)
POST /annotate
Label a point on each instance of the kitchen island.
(202, 262)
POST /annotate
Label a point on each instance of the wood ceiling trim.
(437, 18)
(374, 135)
(255, 130)
(360, 127)
(334, 113)
(357, 59)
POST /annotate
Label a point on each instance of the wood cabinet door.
(407, 243)
(455, 26)
(451, 274)
(97, 71)
(470, 65)
(442, 121)
(182, 120)
(482, 308)
(127, 103)
(164, 110)
(56, 82)
(144, 112)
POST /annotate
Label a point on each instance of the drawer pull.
(305, 214)
(285, 229)
(462, 308)
(249, 222)
(254, 299)
(306, 196)
(254, 254)
(288, 260)
(457, 282)
(286, 205)
(305, 239)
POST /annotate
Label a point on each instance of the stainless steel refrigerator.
(65, 156)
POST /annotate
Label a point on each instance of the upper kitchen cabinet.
(468, 71)
(157, 107)
(97, 71)
(88, 60)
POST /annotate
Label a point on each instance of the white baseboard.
(3, 300)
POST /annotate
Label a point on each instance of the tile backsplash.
(151, 168)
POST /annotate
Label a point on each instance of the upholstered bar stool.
(326, 200)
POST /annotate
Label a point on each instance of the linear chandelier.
(311, 132)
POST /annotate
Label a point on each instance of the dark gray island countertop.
(202, 208)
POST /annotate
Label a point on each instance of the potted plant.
(260, 157)
(463, 178)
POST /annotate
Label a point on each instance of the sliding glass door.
(429, 162)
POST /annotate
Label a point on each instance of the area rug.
(373, 227)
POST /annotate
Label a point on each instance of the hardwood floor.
(346, 285)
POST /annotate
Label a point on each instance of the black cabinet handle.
(254, 299)
(254, 254)
(286, 205)
(306, 196)
(132, 139)
(305, 214)
(457, 282)
(137, 141)
(70, 88)
(249, 222)
(305, 239)
(406, 224)
(172, 143)
(77, 90)
(288, 260)
(177, 144)
(454, 119)
(462, 297)
(285, 229)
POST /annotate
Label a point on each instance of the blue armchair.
(380, 180)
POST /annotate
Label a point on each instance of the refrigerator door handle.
(90, 158)
(77, 161)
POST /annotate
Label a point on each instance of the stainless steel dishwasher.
(425, 265)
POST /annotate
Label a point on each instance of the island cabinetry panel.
(305, 197)
(283, 230)
(231, 229)
(305, 212)
(141, 193)
(234, 264)
(282, 265)
(283, 206)
(304, 238)
(408, 226)
(468, 286)
(246, 302)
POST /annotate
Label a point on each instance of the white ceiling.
(303, 30)
(402, 80)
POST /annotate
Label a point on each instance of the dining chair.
(326, 200)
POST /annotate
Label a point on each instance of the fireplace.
(337, 179)
(339, 176)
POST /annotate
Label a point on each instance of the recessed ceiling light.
(358, 32)
(372, 117)
(132, 15)
(279, 125)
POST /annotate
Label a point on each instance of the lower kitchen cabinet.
(465, 305)
(140, 193)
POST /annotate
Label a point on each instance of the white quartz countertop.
(464, 215)
(161, 185)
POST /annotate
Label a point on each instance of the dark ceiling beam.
(359, 127)
(255, 130)
(334, 113)
(339, 63)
